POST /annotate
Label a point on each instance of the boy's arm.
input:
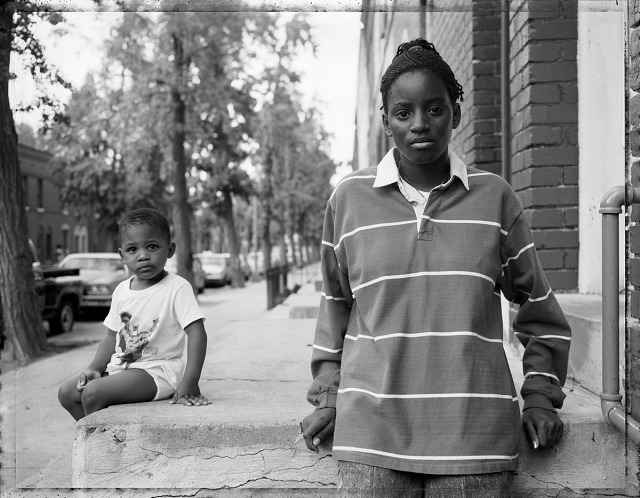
(100, 361)
(543, 330)
(188, 392)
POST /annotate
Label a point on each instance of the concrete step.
(247, 441)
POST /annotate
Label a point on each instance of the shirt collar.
(388, 169)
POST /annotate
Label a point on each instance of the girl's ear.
(172, 249)
(385, 124)
(457, 115)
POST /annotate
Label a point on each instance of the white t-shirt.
(150, 326)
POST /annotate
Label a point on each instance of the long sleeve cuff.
(324, 399)
(537, 400)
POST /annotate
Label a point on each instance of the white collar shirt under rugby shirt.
(408, 343)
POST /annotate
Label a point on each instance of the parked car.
(216, 267)
(199, 275)
(101, 272)
(59, 292)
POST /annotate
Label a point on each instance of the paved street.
(35, 428)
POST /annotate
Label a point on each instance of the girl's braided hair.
(416, 55)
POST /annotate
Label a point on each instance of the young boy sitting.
(141, 357)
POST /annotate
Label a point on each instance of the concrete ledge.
(257, 379)
(584, 313)
(591, 455)
(247, 438)
(304, 304)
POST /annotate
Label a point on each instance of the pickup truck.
(59, 291)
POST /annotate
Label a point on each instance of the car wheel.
(64, 318)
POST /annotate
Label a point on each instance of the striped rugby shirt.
(408, 343)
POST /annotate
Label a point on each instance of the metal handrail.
(610, 399)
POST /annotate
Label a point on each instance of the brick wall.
(633, 326)
(469, 40)
(544, 110)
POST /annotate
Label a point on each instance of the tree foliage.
(204, 95)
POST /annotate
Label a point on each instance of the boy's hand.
(318, 426)
(543, 427)
(85, 377)
(188, 394)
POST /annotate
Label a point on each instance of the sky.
(329, 78)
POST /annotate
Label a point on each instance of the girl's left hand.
(543, 427)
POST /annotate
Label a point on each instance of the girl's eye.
(153, 246)
(435, 110)
(402, 114)
(131, 249)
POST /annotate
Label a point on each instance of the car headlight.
(97, 289)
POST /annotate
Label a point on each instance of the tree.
(107, 160)
(187, 68)
(23, 327)
(279, 120)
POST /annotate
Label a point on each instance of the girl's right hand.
(85, 377)
(318, 426)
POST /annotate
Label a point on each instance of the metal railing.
(276, 285)
(610, 399)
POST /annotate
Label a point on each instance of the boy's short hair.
(146, 216)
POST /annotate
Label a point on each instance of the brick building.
(48, 222)
(553, 123)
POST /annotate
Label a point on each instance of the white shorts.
(164, 389)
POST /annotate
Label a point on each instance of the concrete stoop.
(247, 442)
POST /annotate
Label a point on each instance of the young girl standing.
(408, 364)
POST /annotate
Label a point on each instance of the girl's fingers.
(324, 433)
(531, 432)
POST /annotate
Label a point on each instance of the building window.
(65, 238)
(40, 241)
(80, 238)
(25, 191)
(48, 244)
(40, 195)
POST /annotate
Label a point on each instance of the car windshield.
(212, 260)
(105, 264)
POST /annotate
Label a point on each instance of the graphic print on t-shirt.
(133, 337)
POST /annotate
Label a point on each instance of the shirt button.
(414, 203)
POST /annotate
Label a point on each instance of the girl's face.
(145, 251)
(420, 117)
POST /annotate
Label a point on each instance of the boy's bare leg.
(128, 386)
(70, 398)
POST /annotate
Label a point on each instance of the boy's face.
(420, 116)
(145, 251)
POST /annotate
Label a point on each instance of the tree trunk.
(268, 197)
(23, 328)
(237, 276)
(181, 211)
(292, 242)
